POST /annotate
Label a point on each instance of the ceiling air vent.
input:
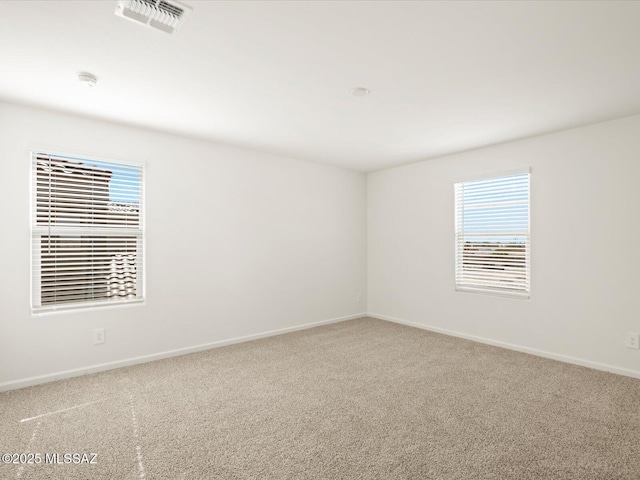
(161, 14)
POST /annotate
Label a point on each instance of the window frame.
(35, 230)
(488, 290)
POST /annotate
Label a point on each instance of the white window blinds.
(87, 232)
(492, 235)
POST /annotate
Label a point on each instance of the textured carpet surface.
(362, 399)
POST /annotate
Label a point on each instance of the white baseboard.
(50, 377)
(533, 351)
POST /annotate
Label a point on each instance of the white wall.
(585, 228)
(281, 243)
(238, 243)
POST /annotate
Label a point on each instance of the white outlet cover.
(631, 340)
(98, 336)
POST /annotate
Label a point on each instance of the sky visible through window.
(124, 186)
(498, 207)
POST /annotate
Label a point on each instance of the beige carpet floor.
(362, 399)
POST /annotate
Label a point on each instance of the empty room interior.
(319, 240)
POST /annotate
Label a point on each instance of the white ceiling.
(277, 76)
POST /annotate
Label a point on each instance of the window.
(492, 235)
(87, 232)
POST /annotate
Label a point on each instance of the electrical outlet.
(359, 296)
(631, 340)
(98, 336)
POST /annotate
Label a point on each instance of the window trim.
(37, 311)
(488, 290)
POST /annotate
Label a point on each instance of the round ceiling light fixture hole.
(360, 92)
(88, 79)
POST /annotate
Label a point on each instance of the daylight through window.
(492, 235)
(87, 232)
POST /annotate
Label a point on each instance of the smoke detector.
(88, 79)
(164, 15)
(360, 92)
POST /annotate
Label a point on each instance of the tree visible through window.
(492, 235)
(87, 232)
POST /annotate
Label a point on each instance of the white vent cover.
(161, 14)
